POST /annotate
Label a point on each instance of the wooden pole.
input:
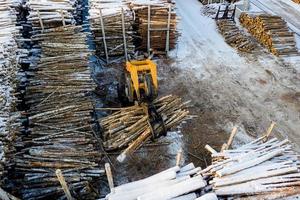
(210, 149)
(148, 31)
(40, 19)
(63, 18)
(168, 31)
(269, 131)
(179, 157)
(230, 140)
(109, 177)
(63, 184)
(103, 36)
(124, 35)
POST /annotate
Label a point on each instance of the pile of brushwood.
(130, 127)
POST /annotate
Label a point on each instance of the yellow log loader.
(139, 82)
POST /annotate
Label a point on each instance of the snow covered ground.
(228, 88)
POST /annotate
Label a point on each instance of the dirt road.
(226, 88)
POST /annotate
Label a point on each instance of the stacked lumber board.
(130, 127)
(261, 169)
(10, 124)
(50, 13)
(178, 183)
(271, 31)
(60, 135)
(235, 37)
(160, 21)
(111, 25)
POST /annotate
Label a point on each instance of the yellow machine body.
(138, 70)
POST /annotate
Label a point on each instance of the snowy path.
(247, 90)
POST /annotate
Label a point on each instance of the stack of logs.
(234, 36)
(61, 136)
(50, 13)
(177, 183)
(130, 127)
(162, 20)
(10, 125)
(258, 170)
(111, 25)
(271, 31)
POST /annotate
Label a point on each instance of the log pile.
(10, 124)
(162, 18)
(261, 169)
(235, 37)
(271, 31)
(60, 135)
(176, 183)
(50, 13)
(110, 29)
(130, 127)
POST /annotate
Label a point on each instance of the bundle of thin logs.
(10, 124)
(262, 169)
(130, 127)
(162, 20)
(111, 28)
(50, 13)
(235, 37)
(176, 183)
(60, 137)
(271, 31)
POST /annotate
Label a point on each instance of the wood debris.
(130, 127)
(235, 37)
(271, 31)
(173, 183)
(59, 116)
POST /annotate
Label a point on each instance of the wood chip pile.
(159, 17)
(10, 125)
(50, 13)
(271, 31)
(257, 170)
(130, 127)
(235, 37)
(112, 33)
(60, 137)
(178, 183)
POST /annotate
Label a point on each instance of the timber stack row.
(61, 136)
(59, 145)
(162, 19)
(271, 31)
(235, 37)
(10, 124)
(130, 127)
(111, 24)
